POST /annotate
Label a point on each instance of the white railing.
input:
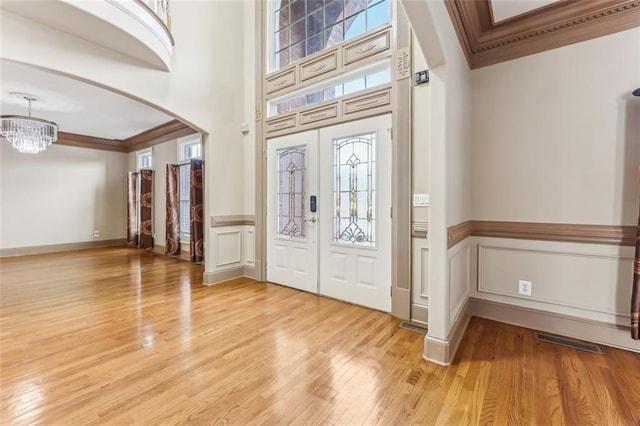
(161, 9)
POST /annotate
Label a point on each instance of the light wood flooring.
(119, 336)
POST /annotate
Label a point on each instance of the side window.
(144, 159)
(188, 148)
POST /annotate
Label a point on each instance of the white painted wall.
(420, 133)
(449, 159)
(420, 123)
(249, 86)
(204, 87)
(61, 196)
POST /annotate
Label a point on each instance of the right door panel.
(355, 212)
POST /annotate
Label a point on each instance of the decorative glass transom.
(376, 75)
(291, 193)
(354, 189)
(304, 27)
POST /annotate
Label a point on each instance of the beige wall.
(204, 87)
(420, 133)
(61, 196)
(556, 139)
(249, 139)
(556, 135)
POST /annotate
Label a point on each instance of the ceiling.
(502, 10)
(75, 106)
(493, 31)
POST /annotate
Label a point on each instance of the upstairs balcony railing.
(160, 8)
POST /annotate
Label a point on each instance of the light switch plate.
(420, 200)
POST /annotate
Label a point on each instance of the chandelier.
(28, 134)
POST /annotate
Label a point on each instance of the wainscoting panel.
(229, 244)
(582, 280)
(232, 247)
(420, 280)
(250, 245)
(459, 279)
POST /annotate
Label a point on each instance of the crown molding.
(173, 129)
(485, 42)
(83, 141)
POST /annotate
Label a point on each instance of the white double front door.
(329, 211)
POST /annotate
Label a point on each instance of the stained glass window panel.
(318, 24)
(354, 189)
(291, 192)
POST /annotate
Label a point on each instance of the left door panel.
(292, 229)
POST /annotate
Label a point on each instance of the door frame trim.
(401, 161)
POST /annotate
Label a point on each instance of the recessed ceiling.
(506, 9)
(75, 106)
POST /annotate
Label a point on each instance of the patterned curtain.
(197, 211)
(132, 209)
(635, 292)
(173, 211)
(146, 209)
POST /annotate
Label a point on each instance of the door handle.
(311, 219)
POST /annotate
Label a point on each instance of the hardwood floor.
(119, 336)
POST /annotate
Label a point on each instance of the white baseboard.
(54, 248)
(216, 277)
(442, 352)
(419, 313)
(564, 325)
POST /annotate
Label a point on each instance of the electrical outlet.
(524, 287)
(96, 234)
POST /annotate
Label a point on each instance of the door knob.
(311, 219)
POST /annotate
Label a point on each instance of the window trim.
(183, 161)
(140, 155)
(195, 139)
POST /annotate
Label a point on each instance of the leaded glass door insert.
(291, 193)
(354, 190)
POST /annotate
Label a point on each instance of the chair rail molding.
(560, 232)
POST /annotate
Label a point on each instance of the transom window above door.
(300, 28)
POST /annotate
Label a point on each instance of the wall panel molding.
(584, 268)
(459, 280)
(228, 247)
(485, 42)
(560, 232)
